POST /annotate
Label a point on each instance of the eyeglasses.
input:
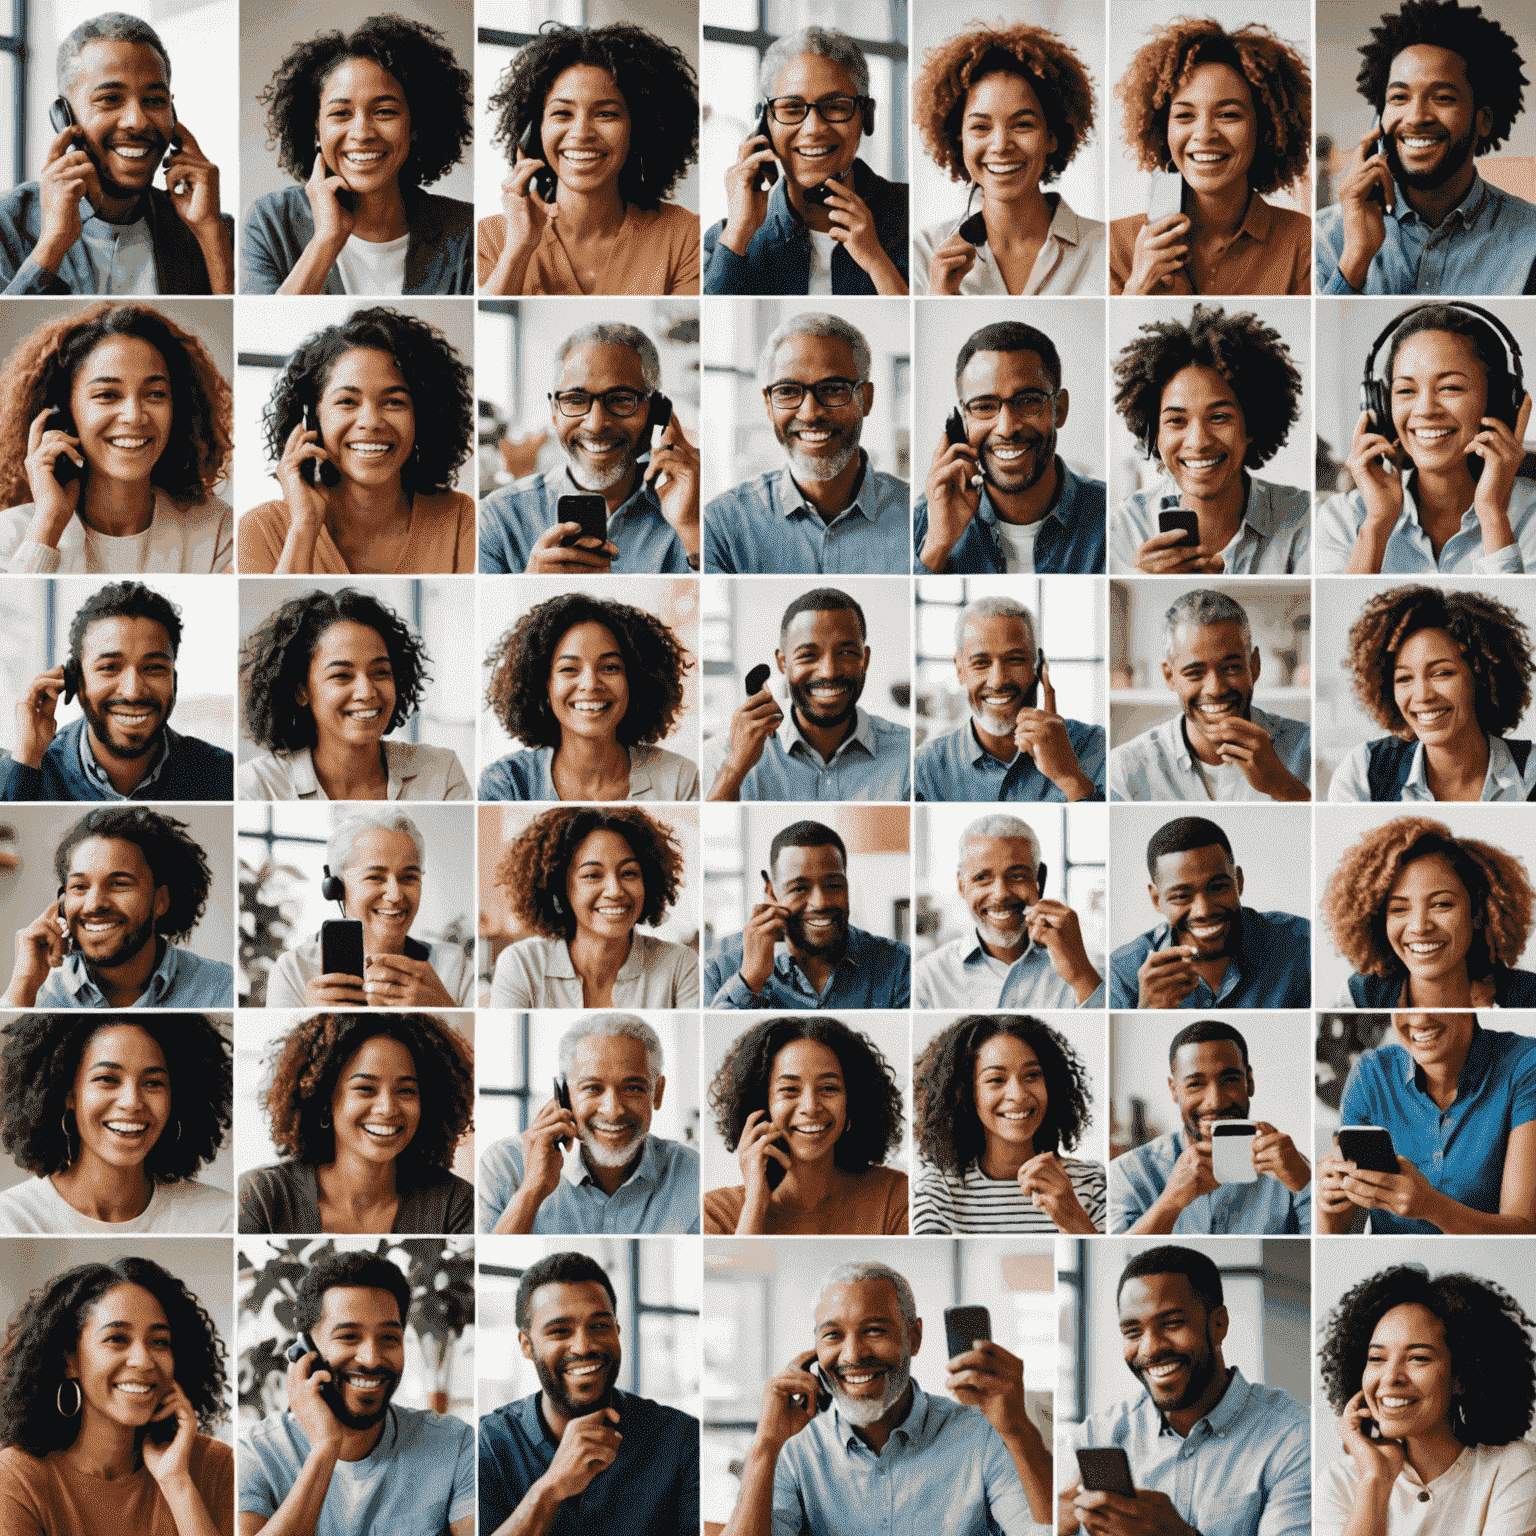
(617, 402)
(830, 109)
(788, 393)
(1028, 402)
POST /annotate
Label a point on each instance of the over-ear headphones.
(1505, 390)
(332, 889)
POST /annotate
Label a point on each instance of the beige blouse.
(440, 540)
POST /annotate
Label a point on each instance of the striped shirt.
(974, 1203)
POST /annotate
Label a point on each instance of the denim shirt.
(1274, 537)
(1070, 540)
(1160, 764)
(181, 980)
(956, 767)
(1137, 1181)
(874, 973)
(186, 769)
(873, 762)
(1409, 551)
(1272, 970)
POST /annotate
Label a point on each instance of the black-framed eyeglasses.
(1028, 402)
(830, 109)
(617, 402)
(787, 394)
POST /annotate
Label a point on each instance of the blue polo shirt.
(874, 973)
(1459, 1150)
(181, 980)
(873, 762)
(651, 1486)
(765, 527)
(955, 766)
(1137, 1181)
(1273, 969)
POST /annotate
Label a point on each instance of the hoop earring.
(325, 1119)
(178, 1129)
(557, 903)
(69, 1153)
(58, 1399)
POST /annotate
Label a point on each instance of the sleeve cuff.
(1335, 284)
(31, 278)
(1502, 562)
(33, 559)
(737, 994)
(724, 271)
(19, 781)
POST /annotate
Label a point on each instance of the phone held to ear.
(954, 427)
(341, 947)
(756, 678)
(531, 146)
(69, 938)
(658, 416)
(591, 511)
(1373, 193)
(823, 1392)
(318, 471)
(563, 1099)
(304, 1345)
(768, 171)
(60, 419)
(775, 1169)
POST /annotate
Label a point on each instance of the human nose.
(367, 1353)
(609, 1102)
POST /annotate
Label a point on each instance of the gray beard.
(997, 725)
(590, 479)
(601, 1157)
(865, 1411)
(821, 467)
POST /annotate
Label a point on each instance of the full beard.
(349, 1420)
(818, 467)
(591, 479)
(865, 1411)
(826, 949)
(133, 941)
(1004, 724)
(603, 1156)
(101, 730)
(561, 1401)
(1044, 456)
(1456, 155)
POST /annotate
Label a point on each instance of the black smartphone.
(756, 678)
(161, 1431)
(318, 471)
(341, 947)
(563, 1099)
(415, 949)
(1106, 1469)
(61, 114)
(954, 427)
(823, 1391)
(1368, 1147)
(175, 149)
(62, 420)
(531, 146)
(974, 230)
(965, 1327)
(1172, 519)
(590, 511)
(776, 1169)
(658, 417)
(1373, 193)
(304, 1345)
(71, 680)
(768, 172)
(69, 938)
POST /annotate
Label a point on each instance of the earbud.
(332, 888)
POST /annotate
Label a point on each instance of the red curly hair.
(1277, 78)
(1355, 901)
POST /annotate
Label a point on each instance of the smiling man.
(595, 1167)
(1002, 499)
(93, 223)
(579, 1454)
(344, 1458)
(1413, 215)
(123, 643)
(1209, 950)
(1211, 1453)
(1219, 746)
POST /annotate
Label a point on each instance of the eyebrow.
(123, 1322)
(347, 100)
(571, 101)
(1226, 101)
(566, 1317)
(346, 661)
(574, 656)
(1434, 85)
(376, 1077)
(148, 655)
(1439, 890)
(117, 1066)
(112, 378)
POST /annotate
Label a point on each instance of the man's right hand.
(588, 1445)
(1166, 977)
(781, 1415)
(762, 931)
(39, 949)
(543, 1152)
(952, 502)
(1366, 195)
(1192, 1176)
(320, 1425)
(35, 723)
(68, 175)
(584, 558)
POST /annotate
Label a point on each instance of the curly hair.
(40, 371)
(306, 1064)
(174, 860)
(1278, 81)
(124, 600)
(567, 1268)
(1486, 1331)
(1354, 903)
(43, 1052)
(533, 870)
(1248, 354)
(658, 84)
(439, 381)
(439, 94)
(1061, 84)
(49, 1326)
(522, 659)
(275, 658)
(1491, 637)
(1489, 53)
(875, 1112)
(946, 1125)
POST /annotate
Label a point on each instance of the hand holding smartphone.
(546, 185)
(768, 172)
(1106, 1469)
(318, 471)
(964, 1328)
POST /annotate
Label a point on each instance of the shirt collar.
(1175, 738)
(646, 1171)
(78, 982)
(561, 482)
(1258, 504)
(863, 734)
(1066, 493)
(977, 953)
(1465, 212)
(852, 956)
(1065, 224)
(792, 503)
(1231, 1403)
(1502, 771)
(560, 965)
(910, 1428)
(98, 775)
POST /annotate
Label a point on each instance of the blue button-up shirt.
(181, 980)
(874, 973)
(1274, 969)
(1459, 1149)
(515, 518)
(766, 527)
(1484, 245)
(1137, 1181)
(1070, 540)
(1244, 1470)
(943, 1472)
(961, 974)
(1160, 765)
(1273, 539)
(1408, 549)
(955, 766)
(661, 1195)
(873, 762)
(1503, 781)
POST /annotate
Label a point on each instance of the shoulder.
(1280, 1411)
(265, 515)
(19, 199)
(892, 736)
(444, 216)
(1280, 923)
(878, 944)
(664, 954)
(420, 755)
(445, 507)
(647, 1411)
(680, 225)
(949, 743)
(287, 205)
(751, 493)
(422, 1424)
(275, 1178)
(265, 777)
(1289, 224)
(512, 777)
(722, 1207)
(1289, 503)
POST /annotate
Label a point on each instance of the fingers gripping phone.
(954, 428)
(1232, 1151)
(823, 1392)
(61, 419)
(965, 1327)
(1368, 1147)
(563, 1099)
(756, 678)
(546, 184)
(304, 1345)
(658, 417)
(69, 938)
(1106, 1469)
(1167, 195)
(1174, 519)
(768, 171)
(1373, 193)
(590, 511)
(318, 471)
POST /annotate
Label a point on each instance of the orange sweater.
(656, 252)
(877, 1204)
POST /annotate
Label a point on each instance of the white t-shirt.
(1018, 541)
(1226, 781)
(35, 1206)
(373, 266)
(822, 247)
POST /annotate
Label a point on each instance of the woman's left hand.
(853, 227)
(1501, 451)
(397, 981)
(171, 1462)
(673, 474)
(1406, 1193)
(1049, 1187)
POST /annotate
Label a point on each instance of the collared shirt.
(1071, 259)
(185, 769)
(873, 973)
(765, 526)
(1484, 245)
(943, 1472)
(660, 1195)
(1160, 764)
(1137, 1181)
(1490, 1489)
(961, 974)
(1273, 539)
(1459, 1149)
(1070, 540)
(1274, 969)
(416, 771)
(123, 254)
(99, 776)
(1271, 252)
(181, 980)
(1503, 780)
(1244, 1470)
(955, 766)
(873, 762)
(654, 774)
(1409, 551)
(515, 518)
(538, 973)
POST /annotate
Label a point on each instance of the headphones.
(332, 889)
(1505, 390)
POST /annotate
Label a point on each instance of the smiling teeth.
(857, 1379)
(1429, 716)
(813, 436)
(136, 1391)
(590, 708)
(129, 444)
(374, 450)
(1162, 1372)
(1008, 455)
(1424, 949)
(137, 152)
(1200, 463)
(363, 156)
(1431, 434)
(1419, 143)
(126, 1127)
(815, 154)
(98, 927)
(585, 1370)
(1206, 158)
(1394, 1402)
(1003, 170)
(383, 1130)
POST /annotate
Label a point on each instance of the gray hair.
(814, 325)
(995, 607)
(338, 851)
(613, 333)
(999, 824)
(856, 1270)
(607, 1026)
(826, 42)
(1201, 607)
(110, 27)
